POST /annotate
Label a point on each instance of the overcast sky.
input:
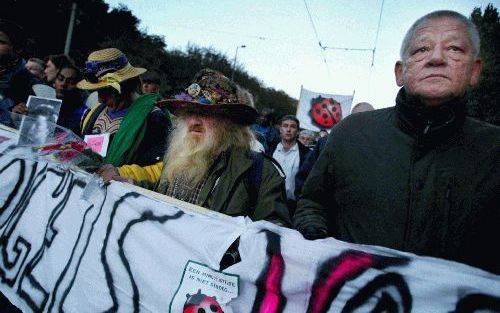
(282, 47)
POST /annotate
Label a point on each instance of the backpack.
(253, 178)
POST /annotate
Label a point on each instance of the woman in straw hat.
(137, 128)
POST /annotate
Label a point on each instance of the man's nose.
(194, 120)
(436, 57)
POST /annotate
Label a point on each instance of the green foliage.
(484, 99)
(97, 27)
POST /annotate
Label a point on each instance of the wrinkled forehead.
(442, 27)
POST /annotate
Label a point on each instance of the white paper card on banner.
(202, 287)
(98, 143)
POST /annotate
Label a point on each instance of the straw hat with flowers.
(108, 68)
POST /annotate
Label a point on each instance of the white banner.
(318, 111)
(123, 250)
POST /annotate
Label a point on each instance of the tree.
(97, 27)
(484, 99)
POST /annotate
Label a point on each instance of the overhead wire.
(376, 35)
(322, 49)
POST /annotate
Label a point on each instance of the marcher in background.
(137, 128)
(362, 107)
(290, 154)
(150, 83)
(312, 157)
(36, 67)
(421, 176)
(53, 64)
(323, 133)
(307, 138)
(73, 99)
(209, 161)
(15, 80)
(265, 131)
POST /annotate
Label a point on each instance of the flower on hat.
(212, 93)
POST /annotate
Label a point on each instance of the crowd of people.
(420, 176)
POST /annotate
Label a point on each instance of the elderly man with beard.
(421, 176)
(209, 161)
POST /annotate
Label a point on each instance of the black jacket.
(412, 179)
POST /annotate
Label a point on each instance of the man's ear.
(398, 72)
(477, 66)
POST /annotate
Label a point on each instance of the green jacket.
(410, 179)
(229, 190)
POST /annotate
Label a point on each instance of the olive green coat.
(228, 190)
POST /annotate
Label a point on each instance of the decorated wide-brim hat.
(107, 68)
(213, 94)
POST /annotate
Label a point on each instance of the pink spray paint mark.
(273, 298)
(349, 266)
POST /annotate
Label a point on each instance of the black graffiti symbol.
(22, 247)
(478, 303)
(74, 254)
(386, 302)
(269, 294)
(146, 216)
(66, 184)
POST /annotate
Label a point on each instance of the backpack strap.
(90, 117)
(253, 179)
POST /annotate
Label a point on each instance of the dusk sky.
(282, 47)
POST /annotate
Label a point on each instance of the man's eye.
(421, 50)
(454, 48)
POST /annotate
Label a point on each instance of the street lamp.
(234, 62)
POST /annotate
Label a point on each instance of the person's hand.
(313, 233)
(122, 179)
(108, 172)
(20, 108)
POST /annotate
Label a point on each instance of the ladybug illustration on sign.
(200, 303)
(325, 112)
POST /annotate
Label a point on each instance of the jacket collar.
(224, 175)
(429, 124)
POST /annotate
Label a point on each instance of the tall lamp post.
(234, 62)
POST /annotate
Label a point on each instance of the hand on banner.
(313, 233)
(108, 173)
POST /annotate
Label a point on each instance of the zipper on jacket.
(411, 197)
(427, 127)
(446, 217)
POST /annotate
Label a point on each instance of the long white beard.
(191, 156)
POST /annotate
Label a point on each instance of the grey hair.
(307, 132)
(362, 107)
(469, 25)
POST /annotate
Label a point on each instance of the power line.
(346, 49)
(322, 49)
(376, 35)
